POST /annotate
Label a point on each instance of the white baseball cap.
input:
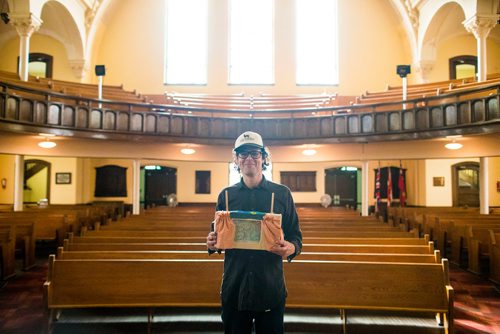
(248, 138)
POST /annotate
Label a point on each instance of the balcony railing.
(472, 111)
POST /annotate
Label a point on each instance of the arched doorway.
(39, 65)
(159, 182)
(465, 178)
(36, 181)
(342, 185)
(463, 67)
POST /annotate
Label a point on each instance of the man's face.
(249, 161)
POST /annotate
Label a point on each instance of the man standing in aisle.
(253, 288)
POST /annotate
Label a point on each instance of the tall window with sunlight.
(186, 42)
(251, 39)
(316, 42)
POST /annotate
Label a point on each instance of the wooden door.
(466, 184)
(341, 185)
(158, 184)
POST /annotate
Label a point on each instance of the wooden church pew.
(422, 290)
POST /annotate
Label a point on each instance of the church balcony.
(462, 112)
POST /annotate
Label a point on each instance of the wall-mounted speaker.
(403, 70)
(100, 70)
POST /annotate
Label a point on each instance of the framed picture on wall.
(63, 178)
(438, 181)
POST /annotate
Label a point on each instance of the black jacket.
(253, 279)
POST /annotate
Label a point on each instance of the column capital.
(423, 68)
(25, 24)
(79, 67)
(480, 25)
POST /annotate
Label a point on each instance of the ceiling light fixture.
(309, 151)
(187, 151)
(453, 145)
(47, 143)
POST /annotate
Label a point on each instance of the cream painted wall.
(419, 184)
(462, 45)
(494, 178)
(7, 171)
(132, 47)
(413, 178)
(61, 69)
(89, 176)
(493, 54)
(80, 181)
(371, 45)
(420, 191)
(62, 193)
(419, 174)
(186, 171)
(303, 197)
(440, 196)
(9, 54)
(130, 42)
(319, 168)
(38, 44)
(133, 50)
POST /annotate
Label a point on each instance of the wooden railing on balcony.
(465, 111)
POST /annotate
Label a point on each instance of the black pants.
(241, 322)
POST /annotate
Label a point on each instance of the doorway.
(39, 65)
(159, 182)
(465, 178)
(463, 67)
(342, 186)
(36, 181)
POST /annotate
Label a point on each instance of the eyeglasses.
(253, 154)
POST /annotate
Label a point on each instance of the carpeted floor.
(477, 302)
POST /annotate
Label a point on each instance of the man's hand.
(283, 248)
(211, 241)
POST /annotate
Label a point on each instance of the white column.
(480, 26)
(18, 182)
(99, 91)
(364, 188)
(25, 25)
(484, 206)
(136, 185)
(405, 94)
(24, 51)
